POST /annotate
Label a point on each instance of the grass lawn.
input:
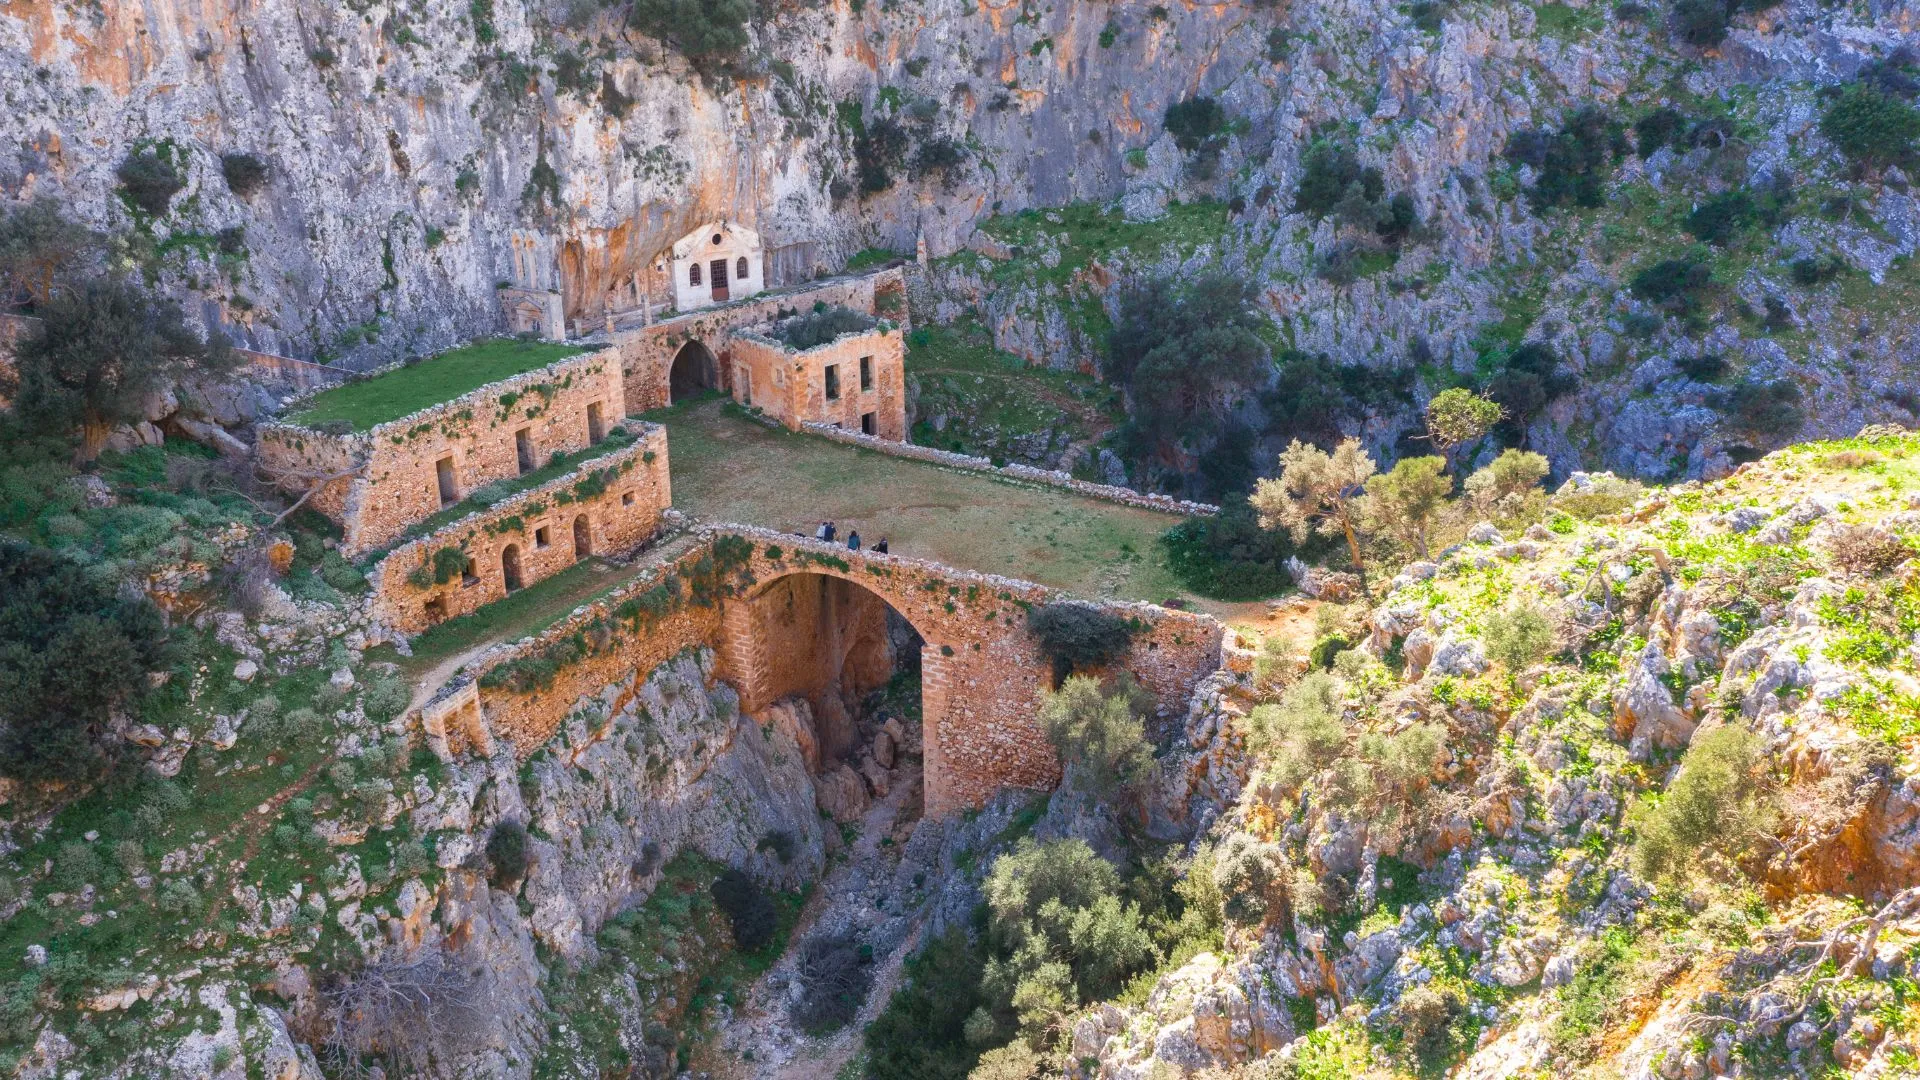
(993, 398)
(528, 611)
(728, 468)
(430, 382)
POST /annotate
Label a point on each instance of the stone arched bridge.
(791, 615)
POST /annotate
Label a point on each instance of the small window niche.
(833, 382)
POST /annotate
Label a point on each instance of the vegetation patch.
(367, 403)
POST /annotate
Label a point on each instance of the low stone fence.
(609, 506)
(1050, 477)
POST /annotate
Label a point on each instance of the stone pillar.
(936, 677)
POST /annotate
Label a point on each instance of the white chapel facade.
(715, 264)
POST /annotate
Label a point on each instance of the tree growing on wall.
(100, 350)
(71, 650)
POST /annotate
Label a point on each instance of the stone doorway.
(694, 372)
(510, 567)
(582, 538)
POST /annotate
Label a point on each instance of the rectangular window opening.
(541, 537)
(469, 574)
(833, 382)
(626, 499)
(866, 373)
(868, 424)
(523, 449)
(596, 423)
(443, 473)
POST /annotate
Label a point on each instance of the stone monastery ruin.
(492, 490)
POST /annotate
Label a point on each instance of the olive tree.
(1316, 491)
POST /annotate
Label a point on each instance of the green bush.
(1079, 637)
(1194, 121)
(748, 908)
(1303, 732)
(1228, 556)
(1331, 173)
(1719, 806)
(1706, 367)
(1519, 637)
(1719, 219)
(1100, 733)
(1872, 127)
(74, 651)
(1700, 23)
(1059, 932)
(245, 173)
(1251, 877)
(1814, 270)
(819, 327)
(507, 853)
(1761, 410)
(149, 180)
(1673, 285)
(704, 30)
(1526, 381)
(1182, 353)
(1573, 163)
(1660, 128)
(877, 150)
(921, 1035)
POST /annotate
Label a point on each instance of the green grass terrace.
(368, 403)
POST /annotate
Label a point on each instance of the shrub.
(1719, 805)
(1100, 733)
(1430, 1029)
(1871, 127)
(507, 854)
(1515, 473)
(1181, 352)
(1573, 163)
(410, 1011)
(1059, 931)
(1863, 549)
(1526, 381)
(1814, 270)
(877, 151)
(780, 842)
(1194, 121)
(1315, 492)
(819, 327)
(1660, 128)
(1228, 556)
(1761, 410)
(39, 249)
(835, 972)
(1332, 173)
(1700, 23)
(387, 695)
(1252, 878)
(245, 173)
(921, 1034)
(1303, 732)
(1458, 415)
(704, 30)
(1705, 367)
(149, 180)
(1077, 636)
(1719, 219)
(75, 651)
(1606, 494)
(1404, 500)
(748, 909)
(75, 866)
(1673, 285)
(1519, 637)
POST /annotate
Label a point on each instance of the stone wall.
(1027, 473)
(647, 354)
(395, 483)
(796, 616)
(612, 503)
(791, 385)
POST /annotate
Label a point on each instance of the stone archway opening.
(839, 668)
(694, 372)
(510, 567)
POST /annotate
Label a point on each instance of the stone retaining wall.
(395, 480)
(617, 498)
(1050, 477)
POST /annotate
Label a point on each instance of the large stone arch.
(695, 370)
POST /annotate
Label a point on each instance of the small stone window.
(868, 424)
(542, 538)
(596, 423)
(740, 268)
(435, 609)
(626, 498)
(693, 273)
(469, 574)
(866, 373)
(523, 449)
(833, 382)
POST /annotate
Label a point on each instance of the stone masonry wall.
(397, 483)
(646, 354)
(791, 385)
(620, 498)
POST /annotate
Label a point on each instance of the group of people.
(826, 532)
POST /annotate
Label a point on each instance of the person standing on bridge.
(825, 532)
(881, 547)
(853, 540)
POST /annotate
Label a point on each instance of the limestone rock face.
(1206, 1015)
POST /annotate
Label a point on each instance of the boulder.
(883, 749)
(840, 794)
(1643, 708)
(793, 717)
